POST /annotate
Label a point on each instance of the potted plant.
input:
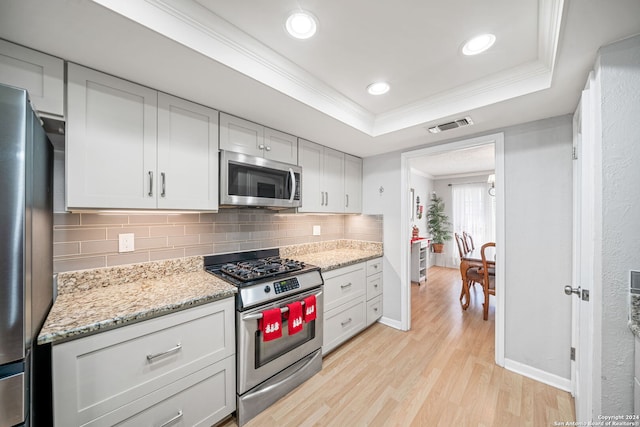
(438, 224)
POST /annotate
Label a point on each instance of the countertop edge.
(129, 319)
(350, 262)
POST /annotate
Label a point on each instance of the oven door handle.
(283, 310)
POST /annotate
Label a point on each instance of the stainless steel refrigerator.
(26, 251)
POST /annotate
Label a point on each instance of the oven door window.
(271, 350)
(253, 181)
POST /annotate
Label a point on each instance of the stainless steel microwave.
(254, 181)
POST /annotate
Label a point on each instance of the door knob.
(569, 290)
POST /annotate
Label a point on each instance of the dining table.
(472, 259)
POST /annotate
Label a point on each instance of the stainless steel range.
(266, 370)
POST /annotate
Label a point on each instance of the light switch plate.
(126, 242)
(316, 230)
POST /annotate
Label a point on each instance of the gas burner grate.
(249, 270)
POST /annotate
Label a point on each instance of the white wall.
(619, 74)
(381, 194)
(537, 164)
(422, 186)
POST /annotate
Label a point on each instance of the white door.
(585, 121)
(333, 180)
(187, 155)
(111, 142)
(310, 159)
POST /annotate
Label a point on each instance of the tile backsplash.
(90, 240)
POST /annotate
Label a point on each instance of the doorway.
(406, 217)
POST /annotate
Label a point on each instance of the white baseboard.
(396, 324)
(538, 375)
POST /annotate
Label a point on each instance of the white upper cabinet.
(243, 136)
(322, 178)
(130, 148)
(280, 146)
(187, 155)
(352, 184)
(41, 75)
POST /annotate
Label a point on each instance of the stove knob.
(267, 289)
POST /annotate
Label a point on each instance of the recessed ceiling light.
(378, 88)
(478, 44)
(301, 25)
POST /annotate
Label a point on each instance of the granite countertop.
(335, 254)
(92, 301)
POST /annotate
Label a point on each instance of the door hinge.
(585, 295)
(574, 152)
(573, 353)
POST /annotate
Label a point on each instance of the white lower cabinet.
(353, 301)
(374, 290)
(179, 366)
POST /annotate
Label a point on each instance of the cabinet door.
(333, 180)
(111, 142)
(280, 146)
(352, 184)
(241, 136)
(310, 158)
(41, 75)
(187, 155)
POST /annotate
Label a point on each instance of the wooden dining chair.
(468, 240)
(461, 247)
(488, 278)
(469, 272)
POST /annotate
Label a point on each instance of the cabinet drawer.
(111, 369)
(343, 285)
(374, 285)
(374, 266)
(342, 323)
(200, 399)
(374, 310)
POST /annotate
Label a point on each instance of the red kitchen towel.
(310, 308)
(271, 324)
(295, 317)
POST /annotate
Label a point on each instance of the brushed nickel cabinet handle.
(150, 183)
(150, 357)
(176, 418)
(163, 179)
(346, 286)
(346, 322)
(347, 197)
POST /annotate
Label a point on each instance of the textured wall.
(619, 75)
(90, 240)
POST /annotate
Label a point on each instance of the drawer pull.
(346, 322)
(346, 286)
(150, 357)
(176, 418)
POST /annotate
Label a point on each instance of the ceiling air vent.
(451, 125)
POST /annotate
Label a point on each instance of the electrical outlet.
(125, 242)
(316, 230)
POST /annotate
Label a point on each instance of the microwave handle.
(293, 185)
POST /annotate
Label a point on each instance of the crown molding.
(189, 23)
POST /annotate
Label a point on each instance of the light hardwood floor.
(441, 373)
